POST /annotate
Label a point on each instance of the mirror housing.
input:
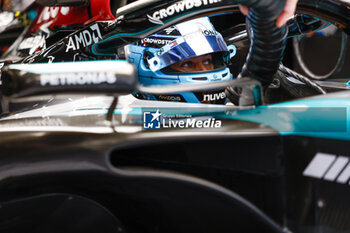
(90, 77)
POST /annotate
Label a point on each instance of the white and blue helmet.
(157, 56)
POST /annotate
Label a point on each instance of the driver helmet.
(189, 52)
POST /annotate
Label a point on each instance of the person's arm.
(288, 11)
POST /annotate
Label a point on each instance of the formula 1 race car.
(79, 153)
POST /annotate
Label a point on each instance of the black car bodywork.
(64, 172)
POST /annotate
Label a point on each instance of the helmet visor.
(204, 63)
(187, 47)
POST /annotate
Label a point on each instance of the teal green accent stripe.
(320, 118)
(317, 118)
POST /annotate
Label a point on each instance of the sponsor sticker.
(50, 13)
(177, 8)
(214, 96)
(154, 41)
(329, 167)
(82, 78)
(33, 44)
(84, 38)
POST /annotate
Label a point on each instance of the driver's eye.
(188, 64)
(208, 62)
